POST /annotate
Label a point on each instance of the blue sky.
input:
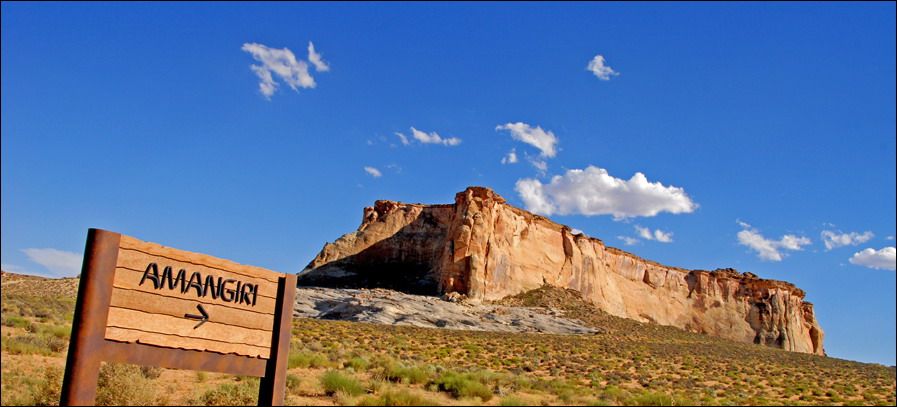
(763, 131)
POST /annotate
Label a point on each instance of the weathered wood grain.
(138, 260)
(177, 342)
(156, 304)
(183, 327)
(128, 242)
(130, 279)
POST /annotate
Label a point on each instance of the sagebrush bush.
(124, 385)
(242, 393)
(396, 398)
(334, 382)
(463, 385)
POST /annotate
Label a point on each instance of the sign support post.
(120, 320)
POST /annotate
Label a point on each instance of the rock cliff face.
(484, 248)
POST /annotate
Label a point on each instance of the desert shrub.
(56, 331)
(243, 393)
(514, 401)
(407, 374)
(47, 391)
(463, 385)
(15, 321)
(293, 382)
(34, 344)
(358, 363)
(396, 398)
(305, 359)
(151, 372)
(124, 385)
(334, 382)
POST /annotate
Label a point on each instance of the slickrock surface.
(395, 308)
(486, 249)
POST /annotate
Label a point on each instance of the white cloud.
(884, 259)
(576, 231)
(539, 164)
(373, 172)
(60, 263)
(545, 141)
(281, 62)
(769, 249)
(628, 241)
(403, 139)
(433, 138)
(598, 67)
(838, 239)
(657, 234)
(511, 158)
(593, 191)
(316, 59)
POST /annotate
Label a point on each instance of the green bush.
(396, 398)
(305, 359)
(293, 382)
(124, 385)
(358, 363)
(513, 401)
(463, 385)
(244, 393)
(407, 374)
(334, 382)
(34, 344)
(48, 391)
(15, 321)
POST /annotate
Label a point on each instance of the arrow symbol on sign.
(201, 318)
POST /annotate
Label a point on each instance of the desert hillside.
(622, 362)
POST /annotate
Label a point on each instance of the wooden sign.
(144, 303)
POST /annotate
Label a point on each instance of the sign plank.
(135, 336)
(157, 304)
(138, 261)
(128, 242)
(130, 279)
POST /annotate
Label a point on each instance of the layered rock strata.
(486, 249)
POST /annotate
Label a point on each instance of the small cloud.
(576, 231)
(593, 191)
(657, 234)
(373, 172)
(598, 67)
(316, 59)
(403, 139)
(884, 259)
(395, 168)
(280, 62)
(833, 239)
(539, 164)
(768, 249)
(628, 241)
(545, 141)
(60, 263)
(889, 238)
(511, 158)
(434, 138)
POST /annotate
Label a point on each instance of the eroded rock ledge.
(486, 249)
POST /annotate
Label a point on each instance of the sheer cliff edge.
(486, 249)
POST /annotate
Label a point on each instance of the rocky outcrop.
(486, 249)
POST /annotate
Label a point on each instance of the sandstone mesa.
(486, 249)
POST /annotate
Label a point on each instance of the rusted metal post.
(271, 387)
(82, 367)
